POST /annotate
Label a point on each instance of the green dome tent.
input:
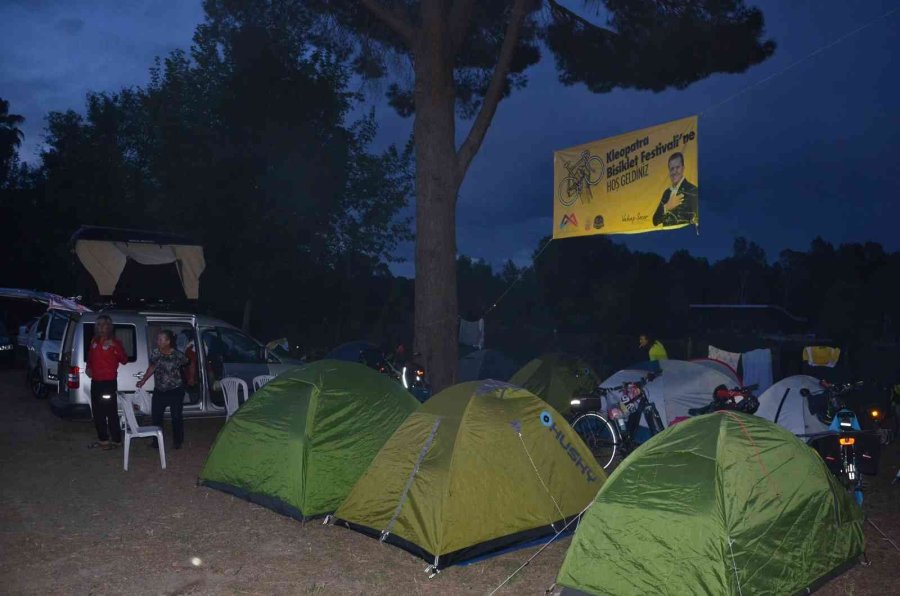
(724, 503)
(480, 467)
(301, 442)
(556, 378)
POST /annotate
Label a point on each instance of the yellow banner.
(637, 182)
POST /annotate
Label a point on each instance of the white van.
(226, 351)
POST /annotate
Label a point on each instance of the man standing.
(678, 205)
(105, 355)
(654, 347)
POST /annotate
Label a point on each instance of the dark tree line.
(595, 286)
(246, 144)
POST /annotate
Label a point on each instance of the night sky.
(812, 151)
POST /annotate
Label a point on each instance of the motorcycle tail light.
(875, 414)
(847, 440)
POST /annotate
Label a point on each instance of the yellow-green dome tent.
(480, 467)
(556, 378)
(301, 442)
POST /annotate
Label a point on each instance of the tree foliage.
(251, 146)
(444, 61)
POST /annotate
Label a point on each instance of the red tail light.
(73, 379)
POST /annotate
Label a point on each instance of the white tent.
(681, 386)
(783, 404)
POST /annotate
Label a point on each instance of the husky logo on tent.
(568, 446)
(568, 219)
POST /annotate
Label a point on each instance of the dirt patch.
(72, 521)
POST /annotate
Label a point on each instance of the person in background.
(166, 363)
(655, 349)
(190, 372)
(105, 354)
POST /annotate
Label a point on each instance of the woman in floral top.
(166, 363)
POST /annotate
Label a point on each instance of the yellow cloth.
(821, 355)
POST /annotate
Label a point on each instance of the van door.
(36, 340)
(229, 352)
(185, 332)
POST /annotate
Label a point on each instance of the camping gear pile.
(722, 503)
(684, 385)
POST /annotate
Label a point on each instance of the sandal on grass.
(110, 446)
(95, 445)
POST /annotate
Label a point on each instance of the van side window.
(240, 348)
(124, 333)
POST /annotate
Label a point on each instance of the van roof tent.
(104, 252)
(130, 236)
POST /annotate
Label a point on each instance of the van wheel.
(36, 383)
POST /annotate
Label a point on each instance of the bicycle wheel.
(568, 191)
(595, 170)
(599, 436)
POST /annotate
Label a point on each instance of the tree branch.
(393, 18)
(479, 128)
(561, 12)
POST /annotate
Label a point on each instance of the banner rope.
(801, 60)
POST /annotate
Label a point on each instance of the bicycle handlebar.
(833, 390)
(640, 384)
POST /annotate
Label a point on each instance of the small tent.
(485, 364)
(364, 352)
(479, 468)
(302, 441)
(556, 378)
(784, 404)
(725, 503)
(722, 367)
(681, 386)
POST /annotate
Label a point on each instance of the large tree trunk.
(437, 185)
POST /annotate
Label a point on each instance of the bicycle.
(607, 436)
(856, 451)
(583, 173)
(739, 400)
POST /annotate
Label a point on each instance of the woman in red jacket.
(105, 355)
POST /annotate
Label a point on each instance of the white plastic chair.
(133, 431)
(230, 387)
(260, 381)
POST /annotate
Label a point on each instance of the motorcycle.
(409, 374)
(855, 452)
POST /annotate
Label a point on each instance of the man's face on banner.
(676, 170)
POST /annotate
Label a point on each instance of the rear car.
(7, 347)
(42, 342)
